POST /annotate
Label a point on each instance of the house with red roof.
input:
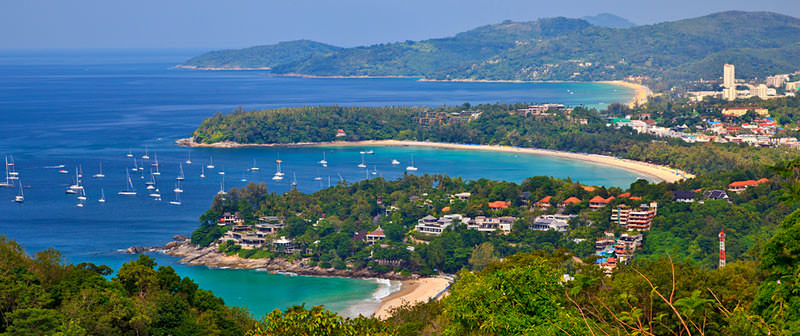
(375, 235)
(340, 133)
(569, 201)
(739, 186)
(498, 205)
(544, 203)
(598, 202)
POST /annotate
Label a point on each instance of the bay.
(84, 108)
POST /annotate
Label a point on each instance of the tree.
(482, 255)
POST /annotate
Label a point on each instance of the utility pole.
(721, 249)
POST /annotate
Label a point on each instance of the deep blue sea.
(90, 108)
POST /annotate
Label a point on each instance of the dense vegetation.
(582, 130)
(261, 56)
(759, 43)
(44, 296)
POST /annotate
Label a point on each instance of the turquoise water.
(85, 108)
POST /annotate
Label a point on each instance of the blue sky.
(240, 23)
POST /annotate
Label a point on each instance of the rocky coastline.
(211, 257)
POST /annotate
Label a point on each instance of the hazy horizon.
(204, 24)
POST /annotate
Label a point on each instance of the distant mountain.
(609, 21)
(759, 43)
(267, 56)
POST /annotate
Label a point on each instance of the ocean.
(87, 108)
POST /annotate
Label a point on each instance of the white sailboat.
(156, 195)
(177, 200)
(21, 197)
(151, 185)
(278, 174)
(323, 162)
(254, 168)
(362, 164)
(129, 191)
(80, 171)
(180, 173)
(318, 177)
(82, 195)
(100, 174)
(73, 189)
(222, 186)
(411, 167)
(374, 170)
(294, 180)
(102, 196)
(210, 163)
(7, 183)
(202, 172)
(370, 152)
(189, 160)
(130, 155)
(135, 166)
(395, 162)
(155, 164)
(146, 155)
(177, 187)
(244, 177)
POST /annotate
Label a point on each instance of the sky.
(72, 24)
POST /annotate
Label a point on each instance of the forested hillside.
(760, 43)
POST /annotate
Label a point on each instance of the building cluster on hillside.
(730, 87)
(264, 234)
(542, 110)
(612, 250)
(759, 132)
(435, 226)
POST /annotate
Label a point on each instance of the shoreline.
(412, 292)
(657, 172)
(412, 289)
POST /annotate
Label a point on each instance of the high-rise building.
(729, 76)
(777, 80)
(729, 93)
(760, 91)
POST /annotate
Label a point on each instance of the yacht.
(202, 172)
(102, 196)
(254, 168)
(189, 160)
(21, 197)
(129, 185)
(210, 163)
(155, 164)
(63, 171)
(222, 186)
(323, 161)
(77, 186)
(411, 167)
(146, 156)
(178, 187)
(7, 183)
(177, 200)
(156, 195)
(82, 196)
(180, 173)
(278, 174)
(362, 164)
(370, 152)
(130, 155)
(135, 166)
(395, 162)
(374, 170)
(100, 174)
(294, 180)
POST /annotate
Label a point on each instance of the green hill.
(761, 43)
(609, 20)
(267, 56)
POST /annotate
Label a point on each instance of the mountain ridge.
(551, 49)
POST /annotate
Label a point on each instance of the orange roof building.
(589, 188)
(569, 201)
(739, 186)
(446, 209)
(623, 195)
(599, 202)
(375, 235)
(544, 202)
(496, 205)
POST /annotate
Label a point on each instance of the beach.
(412, 292)
(642, 92)
(654, 171)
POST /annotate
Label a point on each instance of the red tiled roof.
(627, 194)
(572, 200)
(589, 188)
(598, 199)
(747, 183)
(636, 198)
(546, 199)
(446, 209)
(377, 232)
(498, 205)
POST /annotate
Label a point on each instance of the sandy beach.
(642, 92)
(412, 291)
(656, 172)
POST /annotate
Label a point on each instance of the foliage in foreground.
(44, 296)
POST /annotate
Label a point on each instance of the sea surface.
(83, 109)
